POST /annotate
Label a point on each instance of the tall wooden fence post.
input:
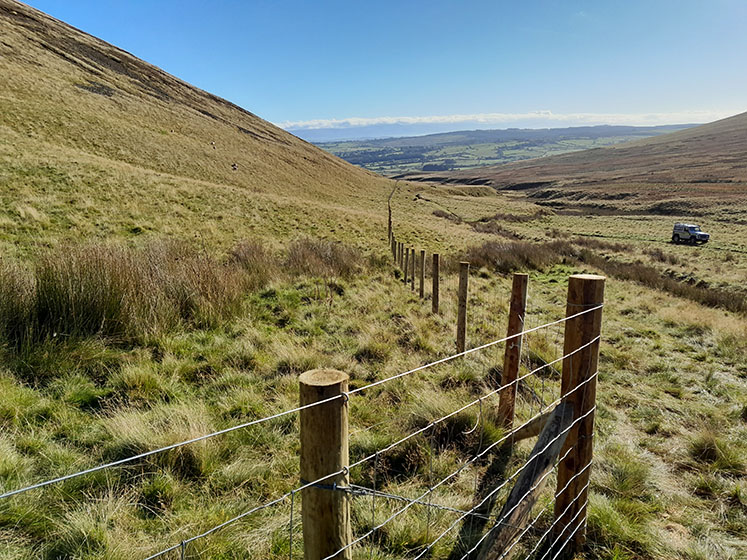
(412, 269)
(578, 388)
(400, 260)
(389, 223)
(393, 244)
(436, 277)
(462, 309)
(325, 511)
(422, 273)
(407, 263)
(512, 354)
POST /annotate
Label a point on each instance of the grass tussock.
(505, 257)
(599, 245)
(136, 294)
(116, 292)
(719, 454)
(660, 256)
(318, 257)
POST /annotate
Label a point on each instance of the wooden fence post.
(392, 247)
(412, 269)
(512, 354)
(389, 222)
(579, 388)
(400, 259)
(515, 514)
(422, 273)
(462, 310)
(407, 263)
(435, 274)
(325, 511)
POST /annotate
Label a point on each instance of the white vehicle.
(689, 233)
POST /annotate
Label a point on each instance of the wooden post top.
(323, 377)
(591, 277)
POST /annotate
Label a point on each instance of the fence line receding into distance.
(531, 521)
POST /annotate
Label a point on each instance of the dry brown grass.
(117, 292)
(653, 278)
(317, 257)
(505, 257)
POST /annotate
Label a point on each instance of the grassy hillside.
(150, 293)
(476, 148)
(94, 142)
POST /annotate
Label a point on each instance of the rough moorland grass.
(131, 294)
(114, 291)
(317, 257)
(650, 276)
(505, 257)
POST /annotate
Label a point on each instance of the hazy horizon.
(403, 130)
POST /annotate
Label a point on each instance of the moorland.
(171, 263)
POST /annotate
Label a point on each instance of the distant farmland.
(476, 148)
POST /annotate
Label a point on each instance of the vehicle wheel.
(692, 241)
(675, 238)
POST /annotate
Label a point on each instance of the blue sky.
(307, 64)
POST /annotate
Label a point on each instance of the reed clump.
(115, 291)
(320, 257)
(135, 294)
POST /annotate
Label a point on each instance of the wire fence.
(463, 531)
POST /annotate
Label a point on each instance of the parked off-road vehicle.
(689, 233)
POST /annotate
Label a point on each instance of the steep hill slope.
(660, 174)
(91, 134)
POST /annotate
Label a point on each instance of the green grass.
(103, 400)
(117, 339)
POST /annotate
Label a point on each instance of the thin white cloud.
(545, 118)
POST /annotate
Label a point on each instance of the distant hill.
(475, 148)
(96, 142)
(701, 169)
